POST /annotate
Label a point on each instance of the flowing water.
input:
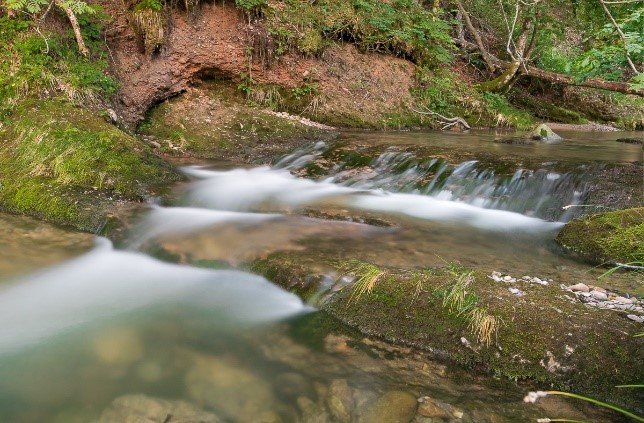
(113, 334)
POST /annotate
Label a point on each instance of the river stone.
(224, 385)
(635, 318)
(340, 400)
(312, 412)
(544, 133)
(118, 346)
(580, 287)
(392, 407)
(143, 409)
(599, 296)
(291, 384)
(428, 407)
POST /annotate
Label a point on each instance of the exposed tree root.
(447, 122)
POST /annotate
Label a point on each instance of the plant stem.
(600, 403)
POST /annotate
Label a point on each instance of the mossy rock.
(70, 166)
(613, 237)
(543, 339)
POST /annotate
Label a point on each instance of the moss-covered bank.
(613, 237)
(215, 121)
(545, 337)
(65, 164)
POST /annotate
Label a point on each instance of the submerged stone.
(142, 408)
(392, 407)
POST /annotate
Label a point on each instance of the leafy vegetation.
(33, 66)
(400, 27)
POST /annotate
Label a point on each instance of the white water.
(105, 283)
(250, 189)
(161, 221)
(537, 193)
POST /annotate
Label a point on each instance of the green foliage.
(56, 153)
(400, 27)
(607, 57)
(31, 65)
(35, 6)
(533, 396)
(505, 113)
(156, 5)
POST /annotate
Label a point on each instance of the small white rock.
(516, 292)
(598, 295)
(638, 319)
(507, 278)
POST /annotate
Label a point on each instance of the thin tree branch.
(621, 35)
(476, 36)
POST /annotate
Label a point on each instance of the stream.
(97, 332)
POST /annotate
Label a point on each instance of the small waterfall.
(541, 193)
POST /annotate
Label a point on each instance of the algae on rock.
(613, 237)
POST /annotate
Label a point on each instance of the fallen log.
(557, 78)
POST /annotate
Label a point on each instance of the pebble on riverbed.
(499, 277)
(594, 296)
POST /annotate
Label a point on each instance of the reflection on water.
(578, 146)
(118, 336)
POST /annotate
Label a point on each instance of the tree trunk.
(72, 19)
(620, 87)
(477, 37)
(503, 81)
(558, 78)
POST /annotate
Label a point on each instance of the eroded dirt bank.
(215, 43)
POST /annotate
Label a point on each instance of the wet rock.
(337, 344)
(544, 133)
(631, 140)
(340, 400)
(392, 407)
(141, 408)
(429, 407)
(515, 141)
(118, 346)
(292, 384)
(580, 287)
(223, 385)
(311, 412)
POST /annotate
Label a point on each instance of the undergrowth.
(403, 28)
(34, 65)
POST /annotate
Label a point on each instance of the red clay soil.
(215, 41)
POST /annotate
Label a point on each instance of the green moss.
(544, 109)
(66, 165)
(606, 238)
(31, 66)
(532, 344)
(235, 130)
